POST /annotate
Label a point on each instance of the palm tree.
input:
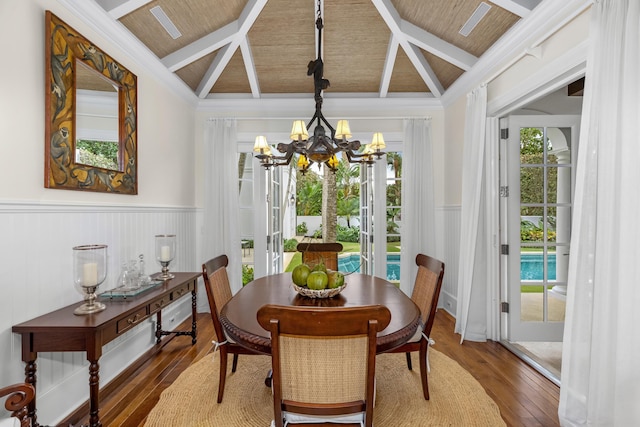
(348, 206)
(395, 161)
(329, 206)
(309, 197)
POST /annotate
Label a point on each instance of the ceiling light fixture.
(320, 147)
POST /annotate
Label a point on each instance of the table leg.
(158, 327)
(94, 389)
(30, 378)
(194, 313)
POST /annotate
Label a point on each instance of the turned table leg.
(94, 389)
(30, 378)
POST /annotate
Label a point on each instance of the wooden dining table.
(239, 315)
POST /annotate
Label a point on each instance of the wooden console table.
(61, 330)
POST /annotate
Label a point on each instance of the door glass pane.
(246, 214)
(531, 184)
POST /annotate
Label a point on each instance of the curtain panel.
(418, 207)
(220, 217)
(600, 370)
(478, 282)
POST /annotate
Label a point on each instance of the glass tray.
(125, 292)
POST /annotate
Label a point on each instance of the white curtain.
(220, 217)
(418, 207)
(477, 316)
(601, 350)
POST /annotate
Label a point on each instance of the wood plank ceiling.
(261, 48)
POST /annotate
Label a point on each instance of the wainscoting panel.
(449, 243)
(36, 278)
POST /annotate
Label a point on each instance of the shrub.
(348, 234)
(318, 233)
(290, 245)
(301, 229)
(247, 274)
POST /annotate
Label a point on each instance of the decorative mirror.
(91, 115)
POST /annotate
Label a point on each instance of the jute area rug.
(456, 398)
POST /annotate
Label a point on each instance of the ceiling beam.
(392, 18)
(201, 47)
(522, 8)
(431, 43)
(247, 17)
(250, 67)
(387, 70)
(119, 8)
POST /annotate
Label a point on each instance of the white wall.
(39, 226)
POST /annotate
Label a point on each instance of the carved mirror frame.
(65, 46)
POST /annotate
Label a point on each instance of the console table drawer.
(132, 320)
(181, 291)
(159, 304)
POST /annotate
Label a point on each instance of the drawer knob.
(160, 304)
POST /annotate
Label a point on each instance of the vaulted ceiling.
(370, 48)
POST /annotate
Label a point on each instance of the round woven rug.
(456, 398)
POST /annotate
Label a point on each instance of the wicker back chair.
(316, 253)
(20, 396)
(323, 362)
(426, 292)
(216, 283)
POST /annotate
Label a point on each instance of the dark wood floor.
(525, 397)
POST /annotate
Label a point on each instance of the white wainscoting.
(448, 219)
(36, 278)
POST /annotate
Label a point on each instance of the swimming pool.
(531, 266)
(350, 263)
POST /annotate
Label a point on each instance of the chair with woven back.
(426, 291)
(316, 253)
(216, 283)
(323, 362)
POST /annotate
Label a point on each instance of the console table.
(61, 330)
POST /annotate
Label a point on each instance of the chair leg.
(423, 373)
(408, 360)
(223, 372)
(234, 364)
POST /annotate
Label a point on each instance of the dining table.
(239, 316)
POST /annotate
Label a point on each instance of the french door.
(537, 182)
(274, 220)
(260, 205)
(366, 219)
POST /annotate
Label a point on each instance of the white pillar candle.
(165, 253)
(90, 274)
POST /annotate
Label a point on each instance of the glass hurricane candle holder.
(89, 271)
(165, 252)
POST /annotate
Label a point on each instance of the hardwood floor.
(525, 397)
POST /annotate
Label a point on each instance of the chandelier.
(322, 146)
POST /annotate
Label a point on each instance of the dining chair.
(323, 362)
(216, 282)
(19, 396)
(426, 291)
(316, 253)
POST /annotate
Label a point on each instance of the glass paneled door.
(274, 220)
(537, 194)
(366, 219)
